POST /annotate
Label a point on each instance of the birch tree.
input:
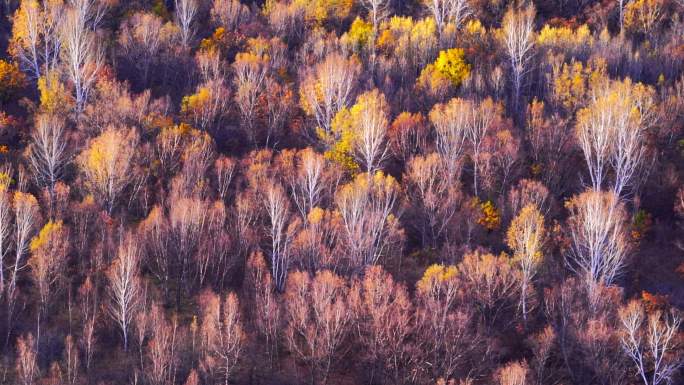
(35, 36)
(369, 123)
(49, 252)
(186, 10)
(448, 11)
(107, 163)
(80, 53)
(526, 236)
(479, 122)
(26, 219)
(48, 151)
(250, 73)
(518, 38)
(451, 127)
(27, 363)
(124, 286)
(222, 334)
(5, 232)
(598, 232)
(611, 132)
(278, 213)
(370, 229)
(329, 88)
(319, 318)
(650, 340)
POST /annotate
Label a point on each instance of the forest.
(341, 192)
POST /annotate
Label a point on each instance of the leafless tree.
(124, 285)
(480, 119)
(650, 340)
(306, 177)
(542, 345)
(599, 244)
(385, 319)
(186, 10)
(529, 192)
(27, 363)
(493, 284)
(435, 198)
(279, 105)
(329, 88)
(250, 74)
(448, 11)
(36, 44)
(161, 348)
(81, 55)
(26, 218)
(222, 334)
(229, 14)
(89, 305)
(409, 135)
(369, 117)
(278, 214)
(451, 122)
(143, 36)
(5, 232)
(444, 331)
(267, 310)
(514, 373)
(71, 360)
(224, 171)
(518, 36)
(49, 252)
(319, 318)
(366, 205)
(48, 151)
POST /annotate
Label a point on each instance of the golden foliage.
(359, 35)
(54, 97)
(11, 79)
(195, 102)
(572, 82)
(341, 141)
(565, 37)
(490, 218)
(107, 163)
(643, 15)
(215, 41)
(452, 65)
(526, 235)
(436, 275)
(46, 235)
(320, 11)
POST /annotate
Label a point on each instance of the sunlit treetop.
(11, 79)
(54, 96)
(320, 11)
(359, 35)
(50, 230)
(565, 37)
(452, 65)
(436, 275)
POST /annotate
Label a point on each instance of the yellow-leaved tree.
(448, 71)
(11, 80)
(107, 162)
(526, 236)
(49, 250)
